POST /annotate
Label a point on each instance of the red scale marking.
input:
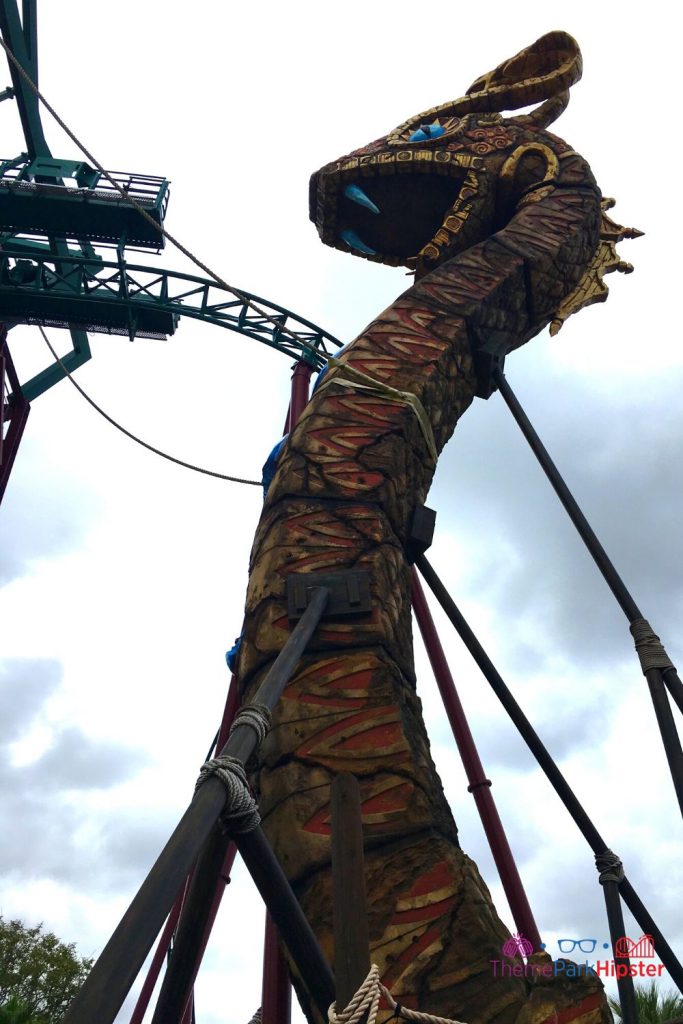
(409, 954)
(350, 480)
(343, 687)
(367, 410)
(333, 702)
(312, 562)
(390, 800)
(382, 369)
(591, 1002)
(342, 440)
(320, 743)
(416, 353)
(381, 736)
(438, 877)
(331, 529)
(427, 913)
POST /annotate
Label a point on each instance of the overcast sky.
(123, 577)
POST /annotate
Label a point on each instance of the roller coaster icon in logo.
(642, 948)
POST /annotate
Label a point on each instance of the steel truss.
(114, 297)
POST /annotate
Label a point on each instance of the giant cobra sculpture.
(503, 226)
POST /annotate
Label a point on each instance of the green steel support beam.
(51, 375)
(21, 35)
(23, 42)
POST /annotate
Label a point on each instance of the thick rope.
(610, 867)
(649, 647)
(257, 716)
(241, 810)
(366, 1001)
(144, 444)
(258, 1017)
(137, 206)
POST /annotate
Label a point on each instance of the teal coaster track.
(54, 211)
(113, 297)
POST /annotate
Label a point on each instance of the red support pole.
(275, 977)
(276, 1003)
(276, 997)
(479, 785)
(301, 379)
(158, 960)
(188, 1016)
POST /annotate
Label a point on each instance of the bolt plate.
(349, 593)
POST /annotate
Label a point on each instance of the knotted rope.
(649, 647)
(241, 810)
(366, 1001)
(257, 716)
(610, 867)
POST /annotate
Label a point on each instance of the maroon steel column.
(157, 963)
(276, 997)
(277, 991)
(479, 785)
(301, 379)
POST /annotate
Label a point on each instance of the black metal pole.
(655, 678)
(617, 929)
(649, 927)
(177, 985)
(674, 685)
(109, 982)
(552, 772)
(598, 553)
(294, 929)
(611, 874)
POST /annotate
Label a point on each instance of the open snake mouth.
(394, 207)
(396, 216)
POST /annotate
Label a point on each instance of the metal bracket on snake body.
(487, 361)
(349, 593)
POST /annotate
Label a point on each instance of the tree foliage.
(654, 1006)
(39, 975)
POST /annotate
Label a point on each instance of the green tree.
(39, 975)
(654, 1006)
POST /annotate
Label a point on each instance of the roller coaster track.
(113, 297)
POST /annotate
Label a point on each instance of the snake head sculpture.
(457, 174)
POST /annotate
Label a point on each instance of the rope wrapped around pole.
(609, 867)
(649, 648)
(241, 810)
(365, 1003)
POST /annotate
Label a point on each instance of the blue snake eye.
(426, 132)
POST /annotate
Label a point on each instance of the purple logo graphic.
(517, 945)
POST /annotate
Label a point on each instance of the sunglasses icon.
(585, 945)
